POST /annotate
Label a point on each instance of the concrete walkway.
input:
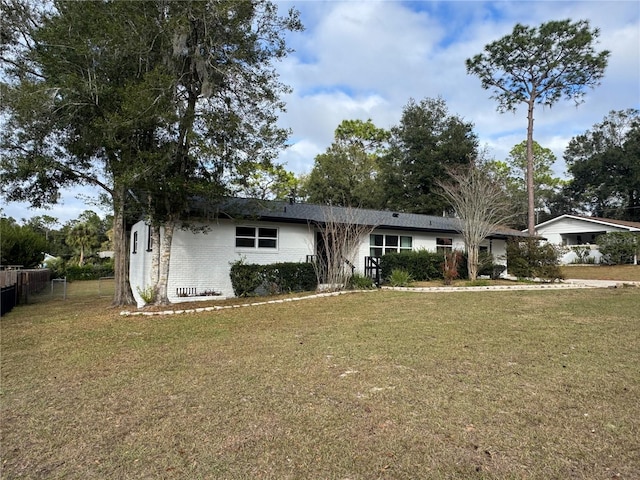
(601, 283)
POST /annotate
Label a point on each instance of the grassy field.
(629, 273)
(491, 385)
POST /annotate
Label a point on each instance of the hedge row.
(86, 272)
(422, 265)
(252, 280)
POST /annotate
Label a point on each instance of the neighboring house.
(578, 231)
(47, 259)
(264, 232)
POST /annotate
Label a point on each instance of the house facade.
(578, 231)
(262, 232)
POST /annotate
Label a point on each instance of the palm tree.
(82, 236)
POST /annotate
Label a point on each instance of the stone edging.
(126, 313)
(544, 286)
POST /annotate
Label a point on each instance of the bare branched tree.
(481, 205)
(339, 239)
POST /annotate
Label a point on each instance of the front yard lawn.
(629, 273)
(500, 385)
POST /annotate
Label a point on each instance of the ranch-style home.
(264, 232)
(578, 231)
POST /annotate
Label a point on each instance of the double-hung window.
(256, 237)
(444, 245)
(381, 244)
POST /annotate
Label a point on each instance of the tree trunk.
(531, 213)
(472, 262)
(123, 295)
(162, 297)
(155, 255)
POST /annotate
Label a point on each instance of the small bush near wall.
(618, 248)
(529, 259)
(422, 265)
(250, 279)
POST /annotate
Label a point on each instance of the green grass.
(603, 272)
(490, 385)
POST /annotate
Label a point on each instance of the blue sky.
(365, 59)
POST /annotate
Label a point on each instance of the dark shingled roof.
(289, 212)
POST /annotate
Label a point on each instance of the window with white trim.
(381, 244)
(444, 245)
(256, 237)
(134, 246)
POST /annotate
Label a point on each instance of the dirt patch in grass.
(387, 384)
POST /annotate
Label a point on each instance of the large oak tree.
(151, 101)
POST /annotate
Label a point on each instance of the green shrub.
(422, 265)
(251, 279)
(57, 267)
(87, 272)
(60, 268)
(361, 282)
(582, 254)
(527, 258)
(400, 278)
(245, 278)
(618, 248)
(148, 294)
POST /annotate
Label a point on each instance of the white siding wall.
(139, 262)
(566, 230)
(204, 261)
(573, 226)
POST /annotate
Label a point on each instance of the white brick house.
(265, 232)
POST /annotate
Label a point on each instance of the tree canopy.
(20, 244)
(347, 174)
(426, 142)
(605, 165)
(540, 66)
(513, 174)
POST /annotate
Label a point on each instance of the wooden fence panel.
(8, 278)
(30, 282)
